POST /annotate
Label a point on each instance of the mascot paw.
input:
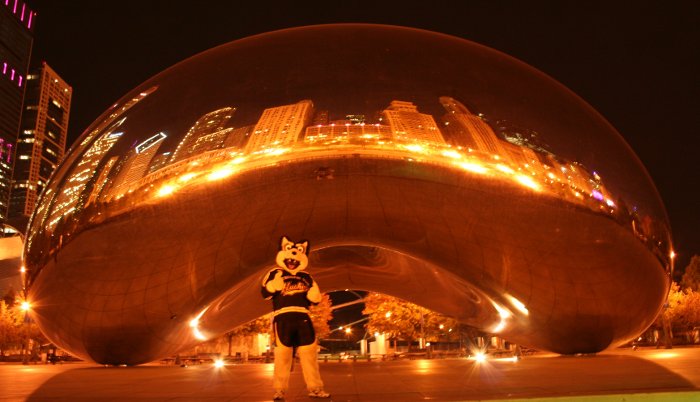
(277, 282)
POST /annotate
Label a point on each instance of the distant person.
(292, 292)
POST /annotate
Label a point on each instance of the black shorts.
(294, 329)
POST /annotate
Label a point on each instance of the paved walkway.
(619, 375)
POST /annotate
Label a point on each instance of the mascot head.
(293, 256)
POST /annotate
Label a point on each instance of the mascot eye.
(301, 249)
(288, 247)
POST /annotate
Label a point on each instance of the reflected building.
(408, 124)
(42, 140)
(344, 133)
(467, 129)
(159, 162)
(281, 125)
(136, 163)
(209, 132)
(71, 197)
(238, 137)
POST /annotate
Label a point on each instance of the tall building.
(467, 129)
(408, 124)
(280, 125)
(136, 163)
(70, 197)
(42, 140)
(238, 137)
(16, 25)
(208, 132)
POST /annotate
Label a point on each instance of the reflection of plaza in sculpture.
(523, 214)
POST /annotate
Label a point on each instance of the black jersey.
(296, 287)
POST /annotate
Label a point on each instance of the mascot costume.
(292, 291)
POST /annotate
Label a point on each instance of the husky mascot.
(292, 291)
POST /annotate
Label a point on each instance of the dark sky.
(635, 62)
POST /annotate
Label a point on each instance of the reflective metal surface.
(417, 164)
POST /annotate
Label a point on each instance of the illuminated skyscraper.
(70, 197)
(42, 139)
(467, 129)
(159, 161)
(238, 137)
(136, 162)
(16, 25)
(281, 125)
(408, 124)
(207, 128)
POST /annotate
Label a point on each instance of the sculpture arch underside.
(536, 269)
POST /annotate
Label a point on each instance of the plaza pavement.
(617, 375)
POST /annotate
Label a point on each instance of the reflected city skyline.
(213, 148)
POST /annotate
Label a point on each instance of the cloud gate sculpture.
(417, 164)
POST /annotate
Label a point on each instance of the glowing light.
(609, 202)
(415, 148)
(504, 314)
(388, 314)
(218, 363)
(25, 306)
(473, 167)
(376, 334)
(220, 174)
(664, 355)
(166, 190)
(597, 195)
(451, 154)
(517, 304)
(505, 169)
(187, 177)
(480, 357)
(194, 324)
(23, 269)
(348, 330)
(673, 254)
(527, 182)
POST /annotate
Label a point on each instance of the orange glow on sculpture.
(484, 189)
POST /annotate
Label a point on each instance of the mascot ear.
(285, 242)
(306, 247)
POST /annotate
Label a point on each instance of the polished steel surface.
(417, 164)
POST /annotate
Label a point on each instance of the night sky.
(636, 63)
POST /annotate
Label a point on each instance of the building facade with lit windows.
(70, 198)
(135, 164)
(16, 37)
(409, 124)
(208, 132)
(42, 139)
(281, 125)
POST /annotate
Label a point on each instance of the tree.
(321, 314)
(682, 311)
(10, 324)
(691, 276)
(396, 318)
